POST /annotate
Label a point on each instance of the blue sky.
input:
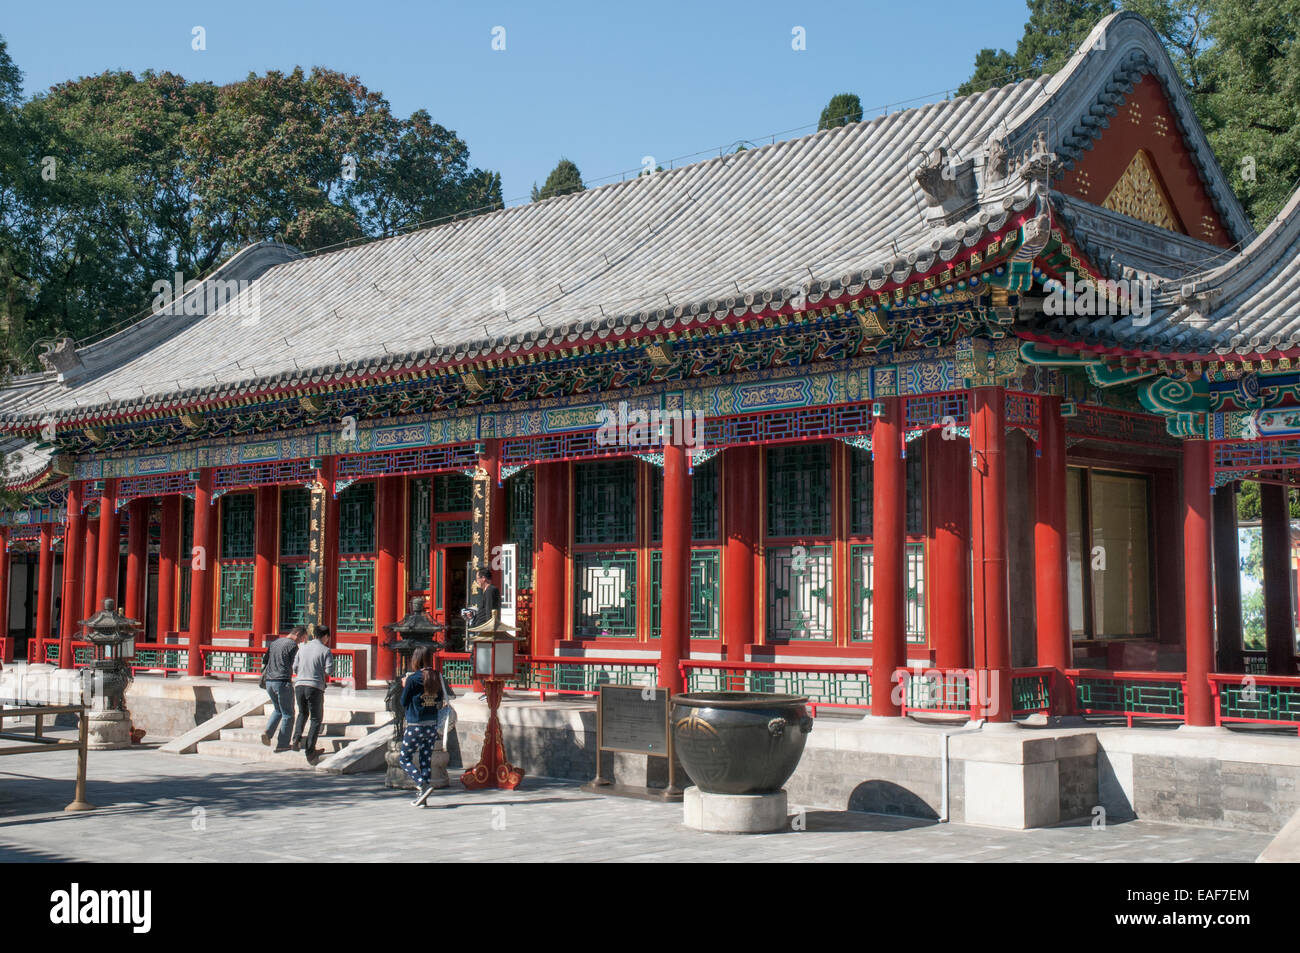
(604, 84)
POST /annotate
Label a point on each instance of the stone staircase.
(346, 720)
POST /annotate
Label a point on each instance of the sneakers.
(422, 797)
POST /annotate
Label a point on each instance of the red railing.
(1130, 694)
(826, 686)
(558, 675)
(1256, 699)
(158, 663)
(232, 660)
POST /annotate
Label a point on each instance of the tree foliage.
(111, 182)
(1052, 34)
(843, 109)
(564, 178)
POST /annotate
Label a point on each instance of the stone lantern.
(112, 638)
(413, 630)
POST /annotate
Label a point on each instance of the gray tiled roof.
(835, 211)
(1249, 303)
(690, 239)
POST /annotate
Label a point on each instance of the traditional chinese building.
(910, 451)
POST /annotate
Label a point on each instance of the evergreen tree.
(564, 178)
(843, 109)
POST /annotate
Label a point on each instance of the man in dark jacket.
(489, 600)
(278, 672)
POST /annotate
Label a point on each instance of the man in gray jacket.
(311, 667)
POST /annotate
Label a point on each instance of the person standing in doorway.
(312, 668)
(278, 675)
(489, 601)
(422, 700)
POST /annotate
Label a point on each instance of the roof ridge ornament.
(948, 184)
(61, 357)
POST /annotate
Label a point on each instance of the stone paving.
(162, 807)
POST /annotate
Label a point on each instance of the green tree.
(1054, 31)
(564, 178)
(111, 182)
(1252, 599)
(843, 109)
(1251, 105)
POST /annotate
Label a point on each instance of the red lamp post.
(493, 656)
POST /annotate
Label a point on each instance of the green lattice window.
(704, 503)
(183, 614)
(293, 595)
(418, 533)
(357, 519)
(705, 600)
(799, 491)
(295, 521)
(238, 526)
(861, 570)
(519, 524)
(604, 595)
(186, 558)
(187, 530)
(605, 495)
(236, 597)
(800, 593)
(455, 531)
(862, 483)
(452, 493)
(356, 595)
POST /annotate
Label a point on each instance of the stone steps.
(345, 720)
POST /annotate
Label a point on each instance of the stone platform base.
(735, 813)
(108, 730)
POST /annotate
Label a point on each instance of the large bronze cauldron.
(739, 742)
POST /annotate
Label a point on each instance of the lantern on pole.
(493, 650)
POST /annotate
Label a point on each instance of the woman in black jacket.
(422, 698)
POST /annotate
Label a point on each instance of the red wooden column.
(8, 654)
(1227, 579)
(675, 589)
(168, 555)
(1279, 631)
(45, 582)
(202, 564)
(992, 629)
(740, 494)
(137, 558)
(390, 495)
(550, 579)
(330, 559)
(1051, 592)
(267, 525)
(889, 566)
(73, 555)
(948, 462)
(110, 546)
(1197, 582)
(90, 575)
